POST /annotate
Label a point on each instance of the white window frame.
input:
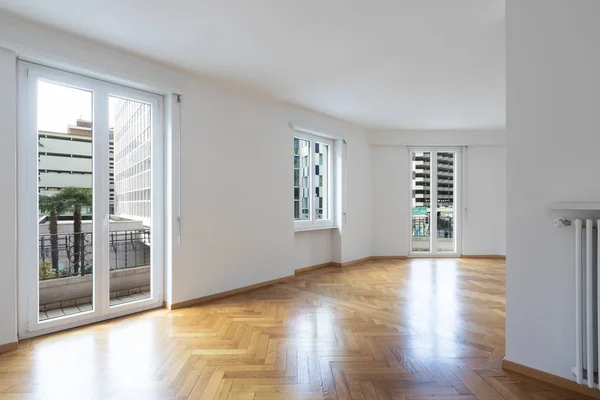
(458, 197)
(312, 223)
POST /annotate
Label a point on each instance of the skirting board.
(557, 381)
(228, 293)
(5, 348)
(354, 262)
(485, 257)
(312, 268)
(299, 271)
(383, 258)
(371, 258)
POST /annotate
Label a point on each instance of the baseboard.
(349, 263)
(383, 258)
(562, 383)
(312, 268)
(232, 292)
(354, 262)
(5, 348)
(228, 293)
(484, 256)
(372, 258)
(297, 272)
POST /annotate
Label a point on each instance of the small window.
(312, 182)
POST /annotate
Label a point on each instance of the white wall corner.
(8, 202)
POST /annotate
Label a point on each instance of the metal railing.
(421, 227)
(71, 254)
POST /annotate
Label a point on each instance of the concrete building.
(301, 179)
(65, 160)
(132, 159)
(421, 179)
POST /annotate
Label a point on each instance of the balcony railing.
(421, 227)
(73, 252)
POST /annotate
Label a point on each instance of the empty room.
(320, 199)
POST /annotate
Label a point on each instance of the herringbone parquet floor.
(414, 329)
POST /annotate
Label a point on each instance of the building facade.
(65, 160)
(132, 159)
(421, 179)
(301, 179)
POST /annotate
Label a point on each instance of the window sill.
(314, 228)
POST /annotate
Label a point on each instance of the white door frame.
(433, 201)
(28, 227)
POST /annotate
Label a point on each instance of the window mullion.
(433, 196)
(311, 195)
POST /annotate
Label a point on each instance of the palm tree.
(55, 206)
(76, 198)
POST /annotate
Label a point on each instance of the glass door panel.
(301, 179)
(130, 197)
(321, 181)
(421, 201)
(434, 195)
(65, 192)
(445, 202)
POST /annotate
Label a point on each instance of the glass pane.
(130, 174)
(65, 150)
(421, 206)
(445, 201)
(301, 179)
(321, 181)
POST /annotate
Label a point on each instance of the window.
(313, 206)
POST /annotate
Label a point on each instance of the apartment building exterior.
(132, 159)
(65, 160)
(421, 182)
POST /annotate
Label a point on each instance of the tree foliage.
(68, 199)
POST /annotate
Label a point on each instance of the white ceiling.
(394, 64)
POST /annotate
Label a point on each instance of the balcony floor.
(61, 312)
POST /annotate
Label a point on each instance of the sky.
(60, 106)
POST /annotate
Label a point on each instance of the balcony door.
(434, 202)
(90, 200)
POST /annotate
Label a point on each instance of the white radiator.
(587, 321)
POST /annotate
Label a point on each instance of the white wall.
(8, 178)
(236, 171)
(484, 226)
(389, 174)
(312, 248)
(553, 139)
(238, 221)
(357, 227)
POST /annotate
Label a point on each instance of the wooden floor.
(415, 329)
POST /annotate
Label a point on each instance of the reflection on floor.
(409, 329)
(115, 301)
